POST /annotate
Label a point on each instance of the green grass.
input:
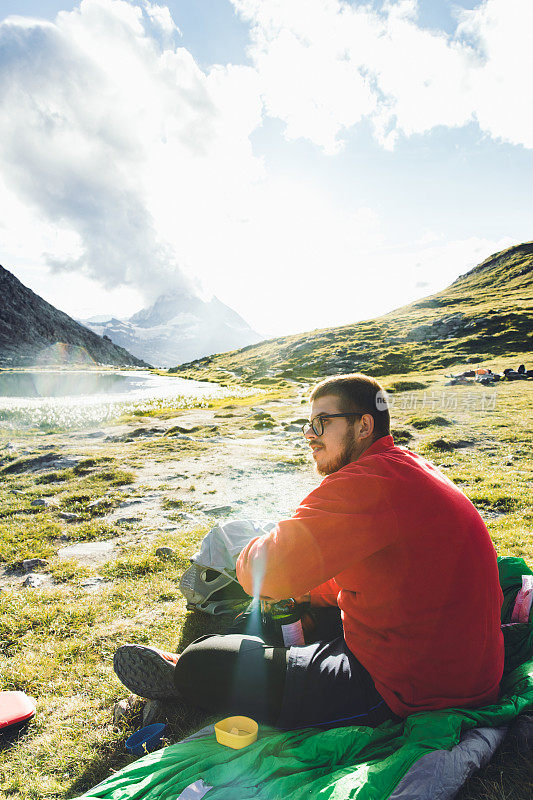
(405, 386)
(68, 571)
(58, 647)
(420, 421)
(402, 436)
(27, 537)
(54, 477)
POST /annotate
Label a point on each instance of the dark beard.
(345, 457)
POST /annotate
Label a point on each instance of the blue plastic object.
(146, 739)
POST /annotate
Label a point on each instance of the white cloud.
(161, 16)
(501, 87)
(326, 64)
(102, 126)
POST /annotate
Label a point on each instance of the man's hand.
(267, 602)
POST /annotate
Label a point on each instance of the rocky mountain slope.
(34, 332)
(178, 327)
(484, 313)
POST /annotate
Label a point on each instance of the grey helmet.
(211, 591)
(210, 584)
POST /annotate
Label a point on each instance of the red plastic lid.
(15, 707)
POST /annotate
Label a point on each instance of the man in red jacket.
(394, 545)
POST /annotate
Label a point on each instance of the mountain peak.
(177, 327)
(165, 308)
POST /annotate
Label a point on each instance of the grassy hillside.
(484, 313)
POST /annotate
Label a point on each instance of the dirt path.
(234, 473)
(202, 467)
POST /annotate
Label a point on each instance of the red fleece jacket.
(410, 563)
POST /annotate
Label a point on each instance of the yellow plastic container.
(236, 732)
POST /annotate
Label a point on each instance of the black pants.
(233, 674)
(245, 673)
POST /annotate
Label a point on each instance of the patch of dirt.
(90, 554)
(231, 473)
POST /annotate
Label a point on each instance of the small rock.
(128, 710)
(165, 552)
(128, 503)
(48, 461)
(120, 711)
(90, 553)
(217, 510)
(33, 581)
(95, 581)
(99, 505)
(183, 515)
(39, 501)
(31, 564)
(68, 517)
(126, 520)
(152, 711)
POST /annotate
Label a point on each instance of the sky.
(309, 162)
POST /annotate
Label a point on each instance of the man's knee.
(218, 666)
(209, 664)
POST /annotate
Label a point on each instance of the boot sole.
(145, 672)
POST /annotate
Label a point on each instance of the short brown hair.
(358, 392)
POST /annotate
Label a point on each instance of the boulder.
(31, 564)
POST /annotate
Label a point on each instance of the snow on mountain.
(178, 327)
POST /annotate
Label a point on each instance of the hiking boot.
(146, 671)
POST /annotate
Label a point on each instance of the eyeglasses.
(317, 423)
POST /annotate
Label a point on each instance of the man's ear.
(367, 426)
